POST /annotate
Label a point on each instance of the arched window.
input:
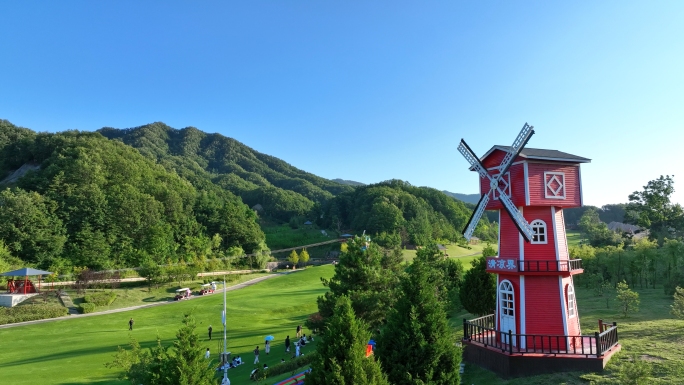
(506, 298)
(571, 301)
(539, 228)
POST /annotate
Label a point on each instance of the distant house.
(441, 247)
(258, 208)
(474, 240)
(624, 227)
(308, 223)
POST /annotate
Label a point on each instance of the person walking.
(256, 355)
(287, 344)
(267, 347)
(130, 324)
(299, 331)
(209, 330)
(296, 349)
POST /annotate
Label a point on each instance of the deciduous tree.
(628, 299)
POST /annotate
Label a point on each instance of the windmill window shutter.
(539, 236)
(570, 292)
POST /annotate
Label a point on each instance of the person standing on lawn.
(209, 330)
(299, 331)
(267, 347)
(256, 355)
(130, 324)
(287, 344)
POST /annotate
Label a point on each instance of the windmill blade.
(474, 161)
(475, 217)
(518, 144)
(523, 227)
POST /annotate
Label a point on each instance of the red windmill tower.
(536, 310)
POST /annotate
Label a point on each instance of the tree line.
(99, 203)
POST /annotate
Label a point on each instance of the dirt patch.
(650, 358)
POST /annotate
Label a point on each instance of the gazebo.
(25, 286)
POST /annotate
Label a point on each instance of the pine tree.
(478, 289)
(417, 344)
(341, 355)
(188, 361)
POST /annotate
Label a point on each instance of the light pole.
(225, 380)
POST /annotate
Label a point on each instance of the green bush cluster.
(101, 299)
(288, 366)
(87, 307)
(30, 313)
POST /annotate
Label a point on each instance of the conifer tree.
(416, 346)
(341, 355)
(478, 289)
(188, 361)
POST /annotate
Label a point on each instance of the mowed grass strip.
(74, 351)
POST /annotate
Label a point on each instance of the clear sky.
(366, 90)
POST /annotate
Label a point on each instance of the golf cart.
(183, 293)
(208, 288)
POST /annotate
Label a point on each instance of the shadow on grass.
(76, 353)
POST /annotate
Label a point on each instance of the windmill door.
(507, 310)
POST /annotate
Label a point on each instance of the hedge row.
(24, 313)
(87, 307)
(101, 299)
(287, 366)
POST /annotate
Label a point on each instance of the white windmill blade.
(475, 218)
(517, 217)
(518, 144)
(474, 161)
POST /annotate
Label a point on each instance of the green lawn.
(462, 254)
(73, 351)
(136, 293)
(282, 237)
(574, 237)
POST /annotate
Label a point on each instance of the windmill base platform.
(508, 365)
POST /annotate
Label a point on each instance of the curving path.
(230, 288)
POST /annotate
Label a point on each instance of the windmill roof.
(538, 153)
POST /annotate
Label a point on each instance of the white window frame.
(535, 224)
(506, 290)
(549, 193)
(507, 185)
(571, 301)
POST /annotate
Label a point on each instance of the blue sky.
(366, 91)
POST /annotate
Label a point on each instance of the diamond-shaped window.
(554, 185)
(504, 185)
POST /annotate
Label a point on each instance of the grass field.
(574, 237)
(454, 251)
(73, 351)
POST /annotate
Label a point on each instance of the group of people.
(300, 341)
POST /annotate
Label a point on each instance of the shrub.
(101, 299)
(31, 313)
(87, 307)
(288, 366)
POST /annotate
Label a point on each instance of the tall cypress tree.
(417, 344)
(341, 353)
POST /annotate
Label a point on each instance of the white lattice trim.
(554, 185)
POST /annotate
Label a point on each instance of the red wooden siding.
(509, 237)
(538, 252)
(517, 177)
(542, 305)
(537, 184)
(494, 159)
(560, 235)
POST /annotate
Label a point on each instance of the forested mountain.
(348, 182)
(417, 214)
(281, 189)
(467, 198)
(94, 202)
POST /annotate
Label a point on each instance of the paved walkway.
(230, 288)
